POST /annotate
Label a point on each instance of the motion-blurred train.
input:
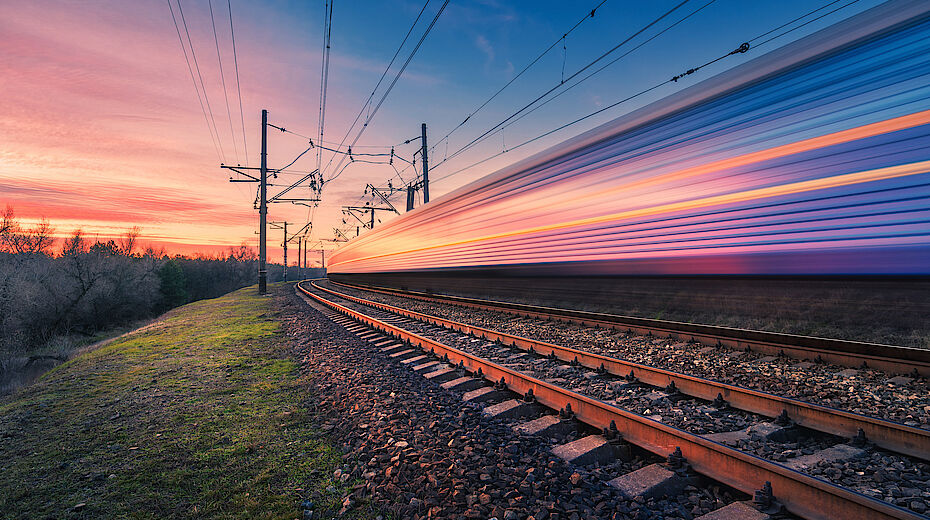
(811, 160)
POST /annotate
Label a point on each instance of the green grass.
(200, 415)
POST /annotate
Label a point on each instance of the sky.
(102, 129)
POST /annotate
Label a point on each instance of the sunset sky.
(101, 128)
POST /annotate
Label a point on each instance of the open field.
(201, 415)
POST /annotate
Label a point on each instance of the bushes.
(89, 287)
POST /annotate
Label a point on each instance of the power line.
(324, 74)
(404, 66)
(589, 76)
(795, 20)
(740, 50)
(400, 72)
(371, 114)
(194, 81)
(805, 23)
(197, 66)
(383, 75)
(575, 74)
(347, 152)
(324, 82)
(232, 34)
(743, 48)
(219, 60)
(332, 143)
(589, 14)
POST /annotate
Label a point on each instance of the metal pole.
(372, 225)
(263, 209)
(323, 258)
(285, 251)
(425, 165)
(409, 198)
(299, 264)
(305, 253)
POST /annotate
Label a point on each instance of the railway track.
(888, 358)
(800, 493)
(886, 434)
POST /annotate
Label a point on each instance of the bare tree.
(74, 245)
(9, 229)
(38, 239)
(127, 242)
(7, 221)
(13, 239)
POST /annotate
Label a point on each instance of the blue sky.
(477, 46)
(100, 90)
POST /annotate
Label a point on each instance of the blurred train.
(811, 160)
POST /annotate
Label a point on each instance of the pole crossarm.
(366, 208)
(300, 232)
(339, 234)
(297, 184)
(384, 198)
(238, 169)
(354, 214)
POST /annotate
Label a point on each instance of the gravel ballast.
(415, 450)
(689, 414)
(864, 391)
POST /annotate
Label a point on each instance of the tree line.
(86, 286)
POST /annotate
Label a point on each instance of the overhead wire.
(347, 151)
(324, 74)
(397, 76)
(807, 22)
(324, 83)
(589, 76)
(199, 75)
(333, 143)
(381, 79)
(588, 15)
(743, 48)
(782, 26)
(367, 105)
(548, 49)
(572, 76)
(219, 60)
(194, 81)
(232, 34)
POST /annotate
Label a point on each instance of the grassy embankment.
(19, 369)
(200, 415)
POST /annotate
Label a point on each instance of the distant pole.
(372, 225)
(263, 209)
(305, 253)
(323, 257)
(285, 251)
(299, 264)
(425, 165)
(409, 198)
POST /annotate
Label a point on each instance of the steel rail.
(800, 494)
(888, 358)
(890, 435)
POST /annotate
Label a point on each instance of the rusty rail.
(800, 494)
(890, 435)
(889, 358)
